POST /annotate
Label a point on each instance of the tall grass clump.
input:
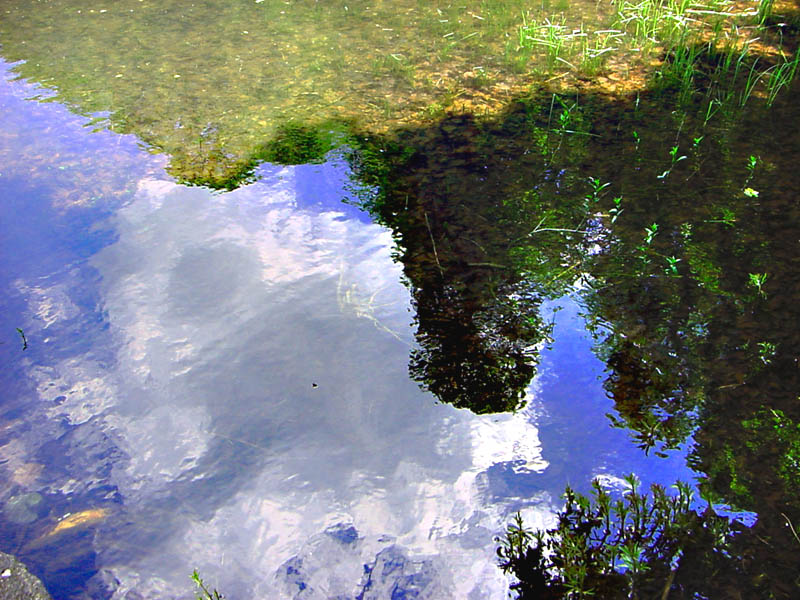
(780, 76)
(764, 11)
(551, 38)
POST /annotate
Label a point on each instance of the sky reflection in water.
(227, 376)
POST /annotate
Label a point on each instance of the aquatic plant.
(549, 35)
(674, 160)
(770, 445)
(649, 22)
(780, 76)
(296, 144)
(638, 546)
(205, 593)
(596, 49)
(616, 210)
(678, 71)
(757, 280)
(764, 11)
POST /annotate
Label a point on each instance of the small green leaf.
(750, 192)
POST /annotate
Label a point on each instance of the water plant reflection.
(641, 545)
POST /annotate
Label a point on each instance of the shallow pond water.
(344, 377)
(223, 379)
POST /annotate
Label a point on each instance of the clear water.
(257, 383)
(222, 378)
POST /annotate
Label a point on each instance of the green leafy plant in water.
(548, 35)
(712, 106)
(649, 235)
(757, 280)
(678, 72)
(399, 66)
(205, 593)
(773, 428)
(596, 188)
(752, 163)
(764, 11)
(297, 144)
(766, 350)
(604, 547)
(780, 76)
(674, 160)
(616, 210)
(726, 217)
(597, 47)
(672, 266)
(565, 119)
(768, 432)
(750, 192)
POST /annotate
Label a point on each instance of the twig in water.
(486, 264)
(668, 586)
(24, 341)
(539, 228)
(789, 523)
(435, 254)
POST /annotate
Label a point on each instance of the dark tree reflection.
(688, 259)
(694, 299)
(484, 227)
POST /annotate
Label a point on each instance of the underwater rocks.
(334, 554)
(394, 575)
(23, 508)
(17, 583)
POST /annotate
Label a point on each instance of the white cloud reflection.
(270, 434)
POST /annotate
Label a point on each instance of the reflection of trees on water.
(691, 287)
(463, 199)
(698, 325)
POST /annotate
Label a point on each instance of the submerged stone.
(22, 508)
(17, 583)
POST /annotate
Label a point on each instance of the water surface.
(306, 397)
(223, 380)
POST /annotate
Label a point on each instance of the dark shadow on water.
(484, 224)
(682, 231)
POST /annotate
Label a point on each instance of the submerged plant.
(672, 266)
(752, 163)
(766, 350)
(616, 210)
(674, 160)
(764, 11)
(650, 233)
(757, 280)
(780, 76)
(597, 186)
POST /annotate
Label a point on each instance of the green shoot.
(204, 593)
(757, 280)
